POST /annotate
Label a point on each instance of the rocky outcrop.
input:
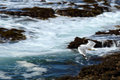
(106, 43)
(110, 32)
(78, 41)
(82, 13)
(35, 12)
(11, 35)
(109, 69)
(90, 9)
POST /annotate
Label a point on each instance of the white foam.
(33, 68)
(4, 76)
(47, 36)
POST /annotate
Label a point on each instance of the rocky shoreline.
(11, 35)
(108, 69)
(99, 44)
(88, 9)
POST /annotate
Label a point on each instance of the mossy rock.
(11, 35)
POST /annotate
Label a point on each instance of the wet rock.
(110, 32)
(3, 7)
(108, 69)
(67, 78)
(88, 10)
(90, 1)
(118, 26)
(35, 12)
(96, 58)
(91, 12)
(117, 6)
(105, 2)
(11, 35)
(78, 41)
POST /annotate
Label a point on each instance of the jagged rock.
(108, 69)
(11, 35)
(35, 12)
(78, 41)
(110, 32)
(89, 10)
(81, 13)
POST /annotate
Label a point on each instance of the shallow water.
(44, 53)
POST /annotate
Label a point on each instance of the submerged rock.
(35, 12)
(11, 35)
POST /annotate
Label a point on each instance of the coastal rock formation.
(78, 41)
(90, 9)
(35, 12)
(11, 35)
(81, 13)
(106, 43)
(109, 69)
(110, 32)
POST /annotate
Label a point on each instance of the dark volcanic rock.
(35, 12)
(78, 41)
(11, 35)
(110, 32)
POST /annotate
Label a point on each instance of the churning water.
(44, 53)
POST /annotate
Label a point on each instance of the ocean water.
(44, 55)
